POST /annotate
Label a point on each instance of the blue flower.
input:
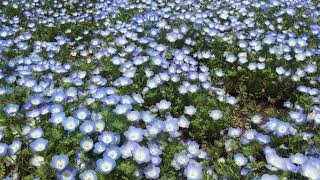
(1, 135)
(81, 113)
(155, 128)
(99, 147)
(152, 172)
(59, 162)
(86, 145)
(127, 149)
(216, 114)
(88, 175)
(99, 125)
(122, 108)
(58, 97)
(134, 134)
(36, 133)
(105, 165)
(297, 117)
(190, 110)
(3, 149)
(193, 171)
(56, 108)
(107, 137)
(240, 159)
(133, 116)
(269, 177)
(39, 145)
(67, 174)
(163, 105)
(112, 152)
(87, 127)
(11, 109)
(147, 117)
(141, 155)
(57, 118)
(70, 124)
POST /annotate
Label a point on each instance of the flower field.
(160, 89)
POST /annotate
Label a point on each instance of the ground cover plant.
(143, 89)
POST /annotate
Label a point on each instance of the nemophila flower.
(3, 149)
(240, 159)
(133, 116)
(88, 175)
(138, 98)
(298, 158)
(36, 133)
(57, 118)
(67, 174)
(250, 134)
(183, 122)
(147, 117)
(39, 145)
(107, 137)
(155, 128)
(183, 28)
(81, 113)
(271, 125)
(171, 125)
(111, 100)
(99, 147)
(87, 127)
(154, 149)
(193, 171)
(279, 162)
(215, 114)
(126, 100)
(105, 165)
(127, 148)
(113, 152)
(37, 161)
(71, 92)
(269, 177)
(86, 144)
(193, 148)
(122, 108)
(172, 37)
(141, 154)
(59, 162)
(182, 158)
(231, 100)
(310, 168)
(234, 132)
(70, 123)
(99, 125)
(58, 96)
(152, 172)
(288, 104)
(231, 58)
(190, 110)
(1, 135)
(44, 109)
(283, 129)
(55, 108)
(11, 109)
(134, 134)
(203, 154)
(256, 119)
(33, 113)
(263, 139)
(297, 117)
(163, 105)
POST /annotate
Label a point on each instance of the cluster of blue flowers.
(100, 73)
